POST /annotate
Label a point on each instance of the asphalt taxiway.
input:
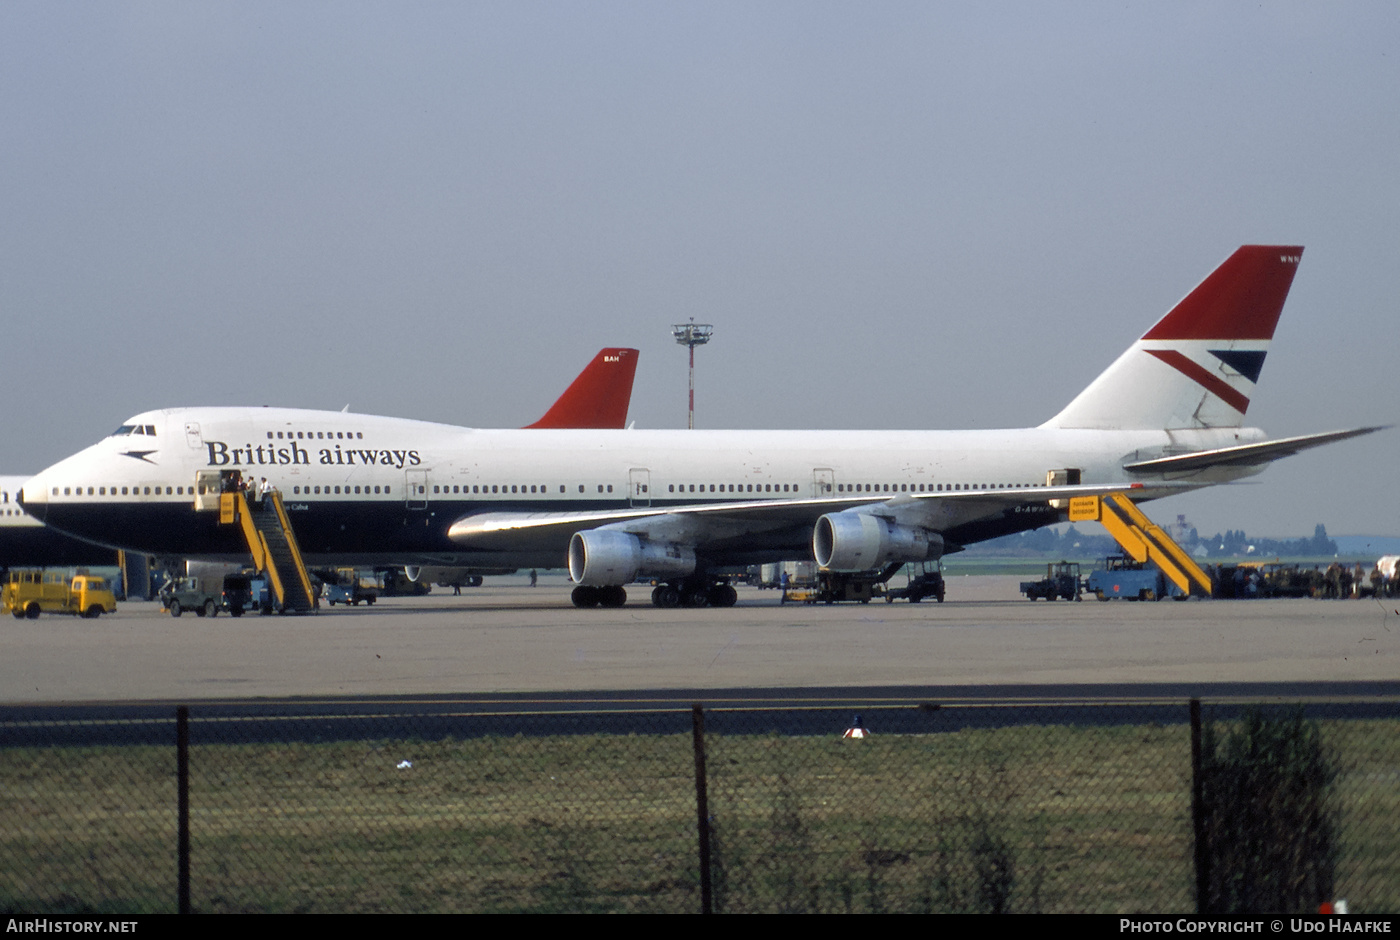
(508, 637)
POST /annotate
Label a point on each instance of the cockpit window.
(127, 429)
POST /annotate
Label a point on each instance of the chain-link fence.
(995, 808)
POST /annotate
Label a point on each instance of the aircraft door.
(639, 486)
(416, 489)
(192, 436)
(823, 482)
(208, 484)
(1069, 476)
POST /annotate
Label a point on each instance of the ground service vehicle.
(1131, 580)
(28, 593)
(924, 581)
(207, 596)
(1061, 580)
(238, 594)
(350, 588)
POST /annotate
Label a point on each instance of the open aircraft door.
(415, 489)
(639, 486)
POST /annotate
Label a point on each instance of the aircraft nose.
(33, 498)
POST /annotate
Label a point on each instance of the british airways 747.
(690, 508)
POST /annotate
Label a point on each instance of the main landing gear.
(611, 595)
(679, 594)
(694, 594)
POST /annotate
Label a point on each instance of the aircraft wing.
(703, 524)
(1243, 454)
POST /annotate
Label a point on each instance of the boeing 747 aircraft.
(691, 508)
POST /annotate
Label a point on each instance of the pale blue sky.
(895, 214)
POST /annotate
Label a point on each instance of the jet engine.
(859, 541)
(604, 557)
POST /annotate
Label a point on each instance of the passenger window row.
(540, 489)
(125, 491)
(317, 435)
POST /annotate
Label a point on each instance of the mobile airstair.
(273, 544)
(1142, 539)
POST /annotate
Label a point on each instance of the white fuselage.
(372, 490)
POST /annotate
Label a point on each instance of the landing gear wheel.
(690, 597)
(666, 596)
(584, 597)
(722, 595)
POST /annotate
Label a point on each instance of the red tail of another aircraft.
(599, 397)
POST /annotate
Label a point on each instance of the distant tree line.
(1074, 543)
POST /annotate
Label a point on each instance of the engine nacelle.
(607, 557)
(858, 541)
(411, 572)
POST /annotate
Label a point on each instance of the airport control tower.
(692, 334)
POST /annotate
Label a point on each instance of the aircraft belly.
(149, 528)
(328, 533)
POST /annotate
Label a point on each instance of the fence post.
(1202, 856)
(182, 823)
(702, 807)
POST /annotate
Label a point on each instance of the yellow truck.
(28, 593)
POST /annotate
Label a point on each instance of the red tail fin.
(1242, 299)
(1199, 365)
(599, 397)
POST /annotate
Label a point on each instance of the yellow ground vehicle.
(27, 593)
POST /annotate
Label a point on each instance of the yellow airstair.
(1141, 538)
(269, 535)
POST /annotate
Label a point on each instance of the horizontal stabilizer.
(1243, 454)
